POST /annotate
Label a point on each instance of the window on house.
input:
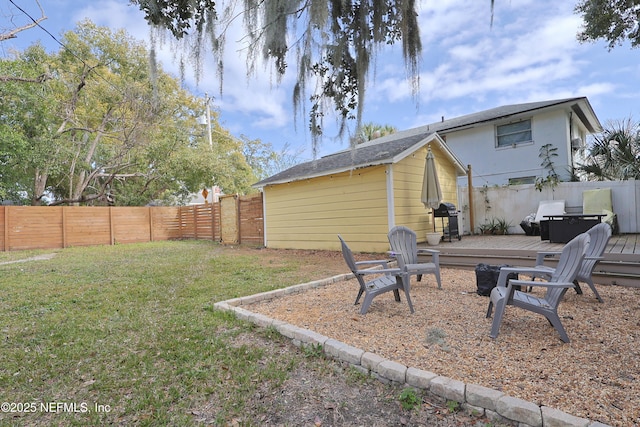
(514, 133)
(522, 180)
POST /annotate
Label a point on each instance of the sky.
(530, 53)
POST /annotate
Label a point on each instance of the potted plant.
(488, 227)
(501, 226)
(433, 237)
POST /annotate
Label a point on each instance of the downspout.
(391, 214)
(573, 169)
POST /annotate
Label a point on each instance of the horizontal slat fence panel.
(33, 227)
(196, 221)
(165, 223)
(131, 225)
(86, 226)
(4, 232)
(52, 227)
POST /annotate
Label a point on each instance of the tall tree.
(614, 154)
(333, 43)
(103, 133)
(26, 122)
(612, 20)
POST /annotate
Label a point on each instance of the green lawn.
(127, 334)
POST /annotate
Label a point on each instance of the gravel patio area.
(595, 376)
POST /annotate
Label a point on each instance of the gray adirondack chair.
(600, 235)
(560, 280)
(387, 280)
(404, 248)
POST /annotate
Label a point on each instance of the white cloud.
(529, 54)
(257, 98)
(465, 58)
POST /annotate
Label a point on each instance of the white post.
(207, 100)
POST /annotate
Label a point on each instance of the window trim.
(514, 144)
(524, 180)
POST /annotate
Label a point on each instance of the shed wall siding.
(408, 177)
(310, 214)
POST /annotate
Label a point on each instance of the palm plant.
(615, 153)
(369, 131)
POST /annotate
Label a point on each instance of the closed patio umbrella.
(431, 192)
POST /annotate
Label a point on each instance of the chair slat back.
(350, 260)
(570, 260)
(348, 255)
(404, 240)
(600, 235)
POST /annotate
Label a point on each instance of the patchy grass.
(127, 334)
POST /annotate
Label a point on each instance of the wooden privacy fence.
(49, 227)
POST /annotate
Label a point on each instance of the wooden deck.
(621, 263)
(619, 247)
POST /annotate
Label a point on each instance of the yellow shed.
(359, 193)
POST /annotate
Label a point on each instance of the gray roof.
(356, 158)
(579, 105)
(389, 149)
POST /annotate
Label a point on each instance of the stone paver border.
(493, 404)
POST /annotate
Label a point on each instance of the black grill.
(449, 211)
(445, 210)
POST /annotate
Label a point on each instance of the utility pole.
(207, 101)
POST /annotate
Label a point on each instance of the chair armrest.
(543, 284)
(505, 271)
(382, 262)
(428, 251)
(389, 271)
(544, 254)
(544, 270)
(435, 255)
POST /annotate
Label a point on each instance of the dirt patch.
(320, 392)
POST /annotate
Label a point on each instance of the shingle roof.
(359, 157)
(389, 149)
(511, 110)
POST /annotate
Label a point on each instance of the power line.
(65, 47)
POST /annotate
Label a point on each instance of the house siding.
(408, 177)
(494, 166)
(310, 214)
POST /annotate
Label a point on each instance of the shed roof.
(362, 156)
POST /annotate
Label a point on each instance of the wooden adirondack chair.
(388, 279)
(600, 235)
(560, 280)
(404, 248)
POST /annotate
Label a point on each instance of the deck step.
(608, 271)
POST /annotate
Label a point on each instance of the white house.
(502, 145)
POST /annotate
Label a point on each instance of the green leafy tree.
(614, 154)
(27, 120)
(265, 162)
(332, 42)
(100, 132)
(612, 20)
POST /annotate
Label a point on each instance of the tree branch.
(12, 34)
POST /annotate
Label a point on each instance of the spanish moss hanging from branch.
(333, 44)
